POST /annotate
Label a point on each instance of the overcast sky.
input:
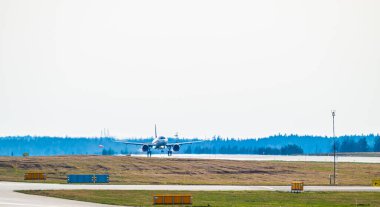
(202, 67)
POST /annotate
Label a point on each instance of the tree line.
(276, 145)
(290, 149)
(361, 145)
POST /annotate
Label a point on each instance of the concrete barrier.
(297, 187)
(34, 176)
(172, 200)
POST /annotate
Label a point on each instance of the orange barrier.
(297, 187)
(35, 176)
(376, 183)
(172, 200)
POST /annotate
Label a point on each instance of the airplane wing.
(183, 143)
(136, 143)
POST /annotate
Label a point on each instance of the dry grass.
(138, 170)
(222, 198)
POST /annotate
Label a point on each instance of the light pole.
(333, 116)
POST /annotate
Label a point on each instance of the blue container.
(102, 178)
(80, 178)
(88, 178)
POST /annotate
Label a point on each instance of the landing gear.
(170, 152)
(149, 153)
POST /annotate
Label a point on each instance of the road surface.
(10, 198)
(287, 158)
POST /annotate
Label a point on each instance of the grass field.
(223, 198)
(140, 170)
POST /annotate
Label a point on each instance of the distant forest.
(273, 145)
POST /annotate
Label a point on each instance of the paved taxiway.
(9, 198)
(13, 199)
(287, 158)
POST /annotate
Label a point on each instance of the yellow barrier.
(172, 200)
(297, 187)
(376, 183)
(35, 176)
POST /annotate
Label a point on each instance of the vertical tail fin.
(155, 131)
(176, 135)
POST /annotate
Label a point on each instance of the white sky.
(202, 67)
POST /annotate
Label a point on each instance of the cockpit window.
(162, 138)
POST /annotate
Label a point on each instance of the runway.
(286, 158)
(13, 199)
(9, 198)
(11, 186)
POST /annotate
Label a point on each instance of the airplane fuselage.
(160, 142)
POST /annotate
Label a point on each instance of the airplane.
(160, 143)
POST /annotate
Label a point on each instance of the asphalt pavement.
(287, 158)
(10, 198)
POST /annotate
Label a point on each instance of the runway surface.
(13, 199)
(288, 158)
(9, 198)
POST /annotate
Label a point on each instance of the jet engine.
(176, 148)
(145, 148)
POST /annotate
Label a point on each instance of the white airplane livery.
(160, 143)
